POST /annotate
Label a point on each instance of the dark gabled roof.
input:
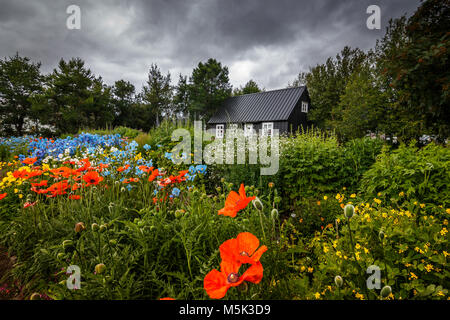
(275, 105)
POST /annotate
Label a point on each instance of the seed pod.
(386, 291)
(349, 211)
(338, 280)
(100, 268)
(79, 227)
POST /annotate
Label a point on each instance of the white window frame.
(304, 106)
(220, 128)
(248, 129)
(267, 128)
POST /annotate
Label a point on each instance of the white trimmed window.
(219, 131)
(305, 106)
(248, 129)
(267, 128)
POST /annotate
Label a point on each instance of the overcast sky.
(269, 41)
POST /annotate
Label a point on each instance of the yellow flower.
(401, 194)
(310, 269)
(338, 196)
(413, 276)
(318, 203)
(429, 267)
(377, 200)
(317, 295)
(20, 196)
(443, 231)
(440, 293)
(448, 211)
(422, 205)
(325, 249)
(353, 195)
(302, 268)
(325, 198)
(357, 246)
(359, 296)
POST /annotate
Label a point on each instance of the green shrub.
(420, 174)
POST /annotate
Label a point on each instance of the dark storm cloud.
(270, 41)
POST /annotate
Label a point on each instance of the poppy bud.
(271, 185)
(35, 296)
(274, 214)
(218, 189)
(103, 227)
(386, 291)
(349, 211)
(222, 180)
(113, 242)
(256, 191)
(100, 268)
(95, 227)
(79, 227)
(277, 199)
(338, 280)
(258, 204)
(67, 244)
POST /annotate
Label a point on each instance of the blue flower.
(147, 147)
(168, 155)
(176, 192)
(192, 170)
(201, 168)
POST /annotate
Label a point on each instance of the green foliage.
(250, 87)
(421, 174)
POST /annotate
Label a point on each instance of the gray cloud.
(270, 41)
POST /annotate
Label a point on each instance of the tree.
(73, 98)
(181, 99)
(19, 79)
(250, 87)
(209, 87)
(123, 98)
(326, 83)
(414, 59)
(362, 106)
(158, 92)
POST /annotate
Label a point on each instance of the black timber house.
(284, 109)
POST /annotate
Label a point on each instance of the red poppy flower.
(235, 202)
(92, 178)
(75, 197)
(2, 195)
(167, 298)
(216, 283)
(243, 249)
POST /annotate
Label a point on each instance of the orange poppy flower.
(243, 249)
(43, 183)
(75, 197)
(29, 160)
(153, 175)
(2, 195)
(216, 283)
(85, 166)
(92, 178)
(235, 202)
(121, 169)
(145, 168)
(167, 298)
(59, 188)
